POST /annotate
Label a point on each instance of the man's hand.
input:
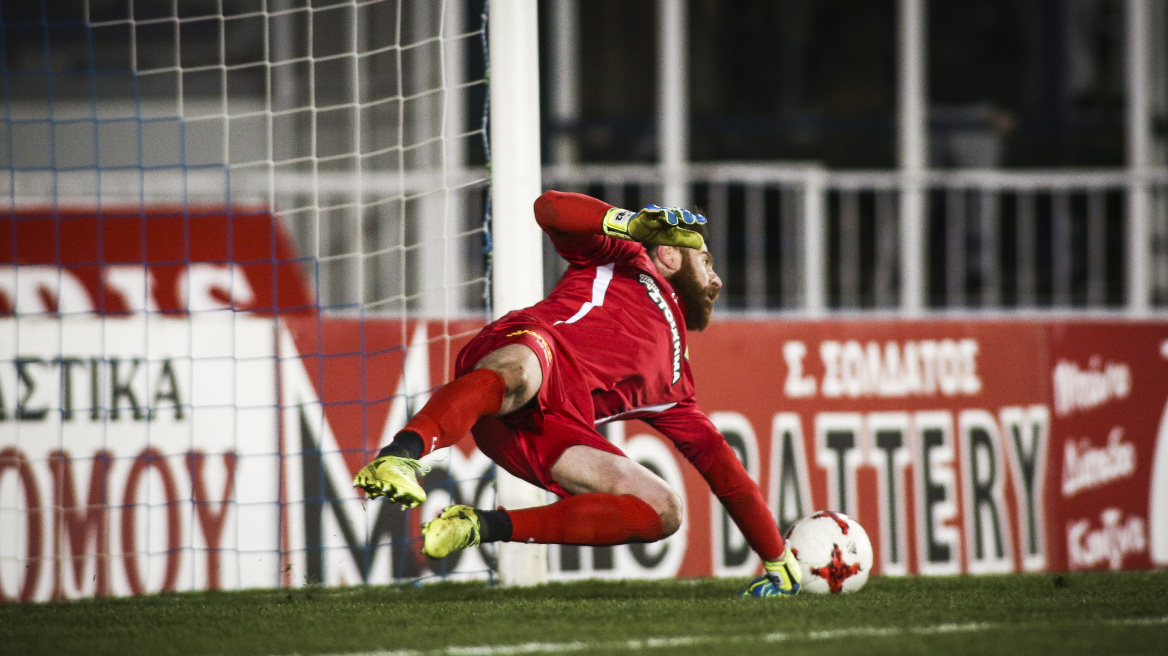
(654, 225)
(783, 578)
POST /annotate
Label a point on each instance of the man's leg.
(501, 382)
(614, 500)
(583, 470)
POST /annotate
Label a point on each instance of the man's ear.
(667, 259)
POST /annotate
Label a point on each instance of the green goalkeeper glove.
(654, 225)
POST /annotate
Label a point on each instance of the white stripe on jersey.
(649, 409)
(599, 289)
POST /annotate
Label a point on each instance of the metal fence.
(785, 238)
(790, 238)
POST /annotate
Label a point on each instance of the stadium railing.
(1008, 241)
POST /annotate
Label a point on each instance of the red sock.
(595, 519)
(456, 406)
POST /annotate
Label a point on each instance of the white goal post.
(243, 242)
(517, 279)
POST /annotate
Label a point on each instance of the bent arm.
(700, 442)
(574, 224)
(563, 214)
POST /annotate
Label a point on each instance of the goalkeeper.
(608, 343)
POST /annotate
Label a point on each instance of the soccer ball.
(834, 552)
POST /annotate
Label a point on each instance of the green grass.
(1085, 613)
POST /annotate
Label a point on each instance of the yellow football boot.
(395, 478)
(456, 528)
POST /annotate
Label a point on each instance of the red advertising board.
(961, 445)
(1108, 506)
(865, 418)
(175, 413)
(159, 259)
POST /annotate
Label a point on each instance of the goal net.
(244, 241)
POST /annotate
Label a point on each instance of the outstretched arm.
(700, 442)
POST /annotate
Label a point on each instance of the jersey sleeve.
(700, 442)
(573, 222)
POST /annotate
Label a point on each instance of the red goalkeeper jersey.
(624, 329)
(623, 325)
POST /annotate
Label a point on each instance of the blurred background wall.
(1041, 188)
(1036, 83)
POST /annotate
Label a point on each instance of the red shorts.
(530, 440)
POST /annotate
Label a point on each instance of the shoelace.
(419, 465)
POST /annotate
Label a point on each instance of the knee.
(522, 384)
(670, 509)
(519, 368)
(516, 377)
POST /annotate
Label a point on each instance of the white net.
(244, 239)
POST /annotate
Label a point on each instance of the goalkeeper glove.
(654, 225)
(783, 577)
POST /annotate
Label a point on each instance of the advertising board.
(177, 414)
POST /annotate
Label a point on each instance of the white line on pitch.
(694, 641)
(678, 641)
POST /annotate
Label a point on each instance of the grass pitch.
(1083, 613)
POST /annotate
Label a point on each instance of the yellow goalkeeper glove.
(655, 225)
(783, 577)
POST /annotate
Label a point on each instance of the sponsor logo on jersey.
(656, 296)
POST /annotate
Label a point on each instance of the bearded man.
(608, 343)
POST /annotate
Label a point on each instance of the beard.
(697, 301)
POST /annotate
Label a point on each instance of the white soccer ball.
(834, 552)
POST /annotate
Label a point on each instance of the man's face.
(697, 285)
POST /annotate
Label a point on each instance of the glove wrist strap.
(616, 223)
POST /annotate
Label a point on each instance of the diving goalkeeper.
(608, 343)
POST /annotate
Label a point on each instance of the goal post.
(517, 259)
(243, 243)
